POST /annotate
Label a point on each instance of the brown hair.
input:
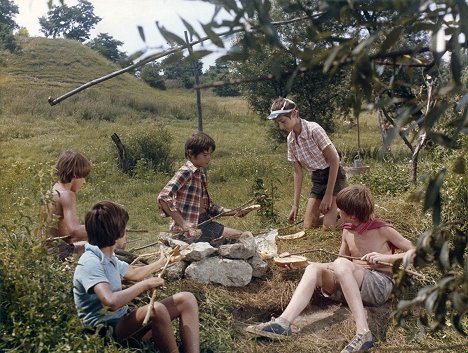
(197, 143)
(281, 103)
(356, 201)
(71, 164)
(105, 223)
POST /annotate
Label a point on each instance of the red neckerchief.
(375, 223)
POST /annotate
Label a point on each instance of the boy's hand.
(326, 204)
(154, 282)
(375, 258)
(293, 214)
(191, 231)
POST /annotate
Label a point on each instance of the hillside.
(35, 290)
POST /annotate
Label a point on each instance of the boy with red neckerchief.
(363, 280)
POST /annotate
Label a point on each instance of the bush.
(38, 313)
(150, 149)
(385, 179)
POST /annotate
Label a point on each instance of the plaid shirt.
(185, 193)
(308, 146)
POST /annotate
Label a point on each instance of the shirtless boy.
(364, 280)
(71, 170)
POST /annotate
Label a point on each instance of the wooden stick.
(234, 209)
(153, 296)
(136, 230)
(351, 258)
(282, 228)
(58, 238)
(142, 256)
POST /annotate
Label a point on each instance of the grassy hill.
(32, 134)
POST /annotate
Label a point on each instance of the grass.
(32, 134)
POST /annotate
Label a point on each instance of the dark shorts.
(210, 230)
(320, 180)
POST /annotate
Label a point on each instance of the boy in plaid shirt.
(309, 147)
(186, 200)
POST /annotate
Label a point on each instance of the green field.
(33, 133)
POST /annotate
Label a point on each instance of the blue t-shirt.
(94, 267)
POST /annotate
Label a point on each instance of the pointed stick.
(172, 252)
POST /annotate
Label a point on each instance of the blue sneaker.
(362, 342)
(274, 329)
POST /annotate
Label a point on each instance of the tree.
(71, 22)
(8, 11)
(108, 47)
(180, 68)
(151, 74)
(367, 37)
(221, 71)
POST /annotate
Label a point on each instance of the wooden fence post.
(197, 84)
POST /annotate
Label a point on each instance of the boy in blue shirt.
(101, 301)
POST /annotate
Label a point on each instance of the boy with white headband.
(309, 147)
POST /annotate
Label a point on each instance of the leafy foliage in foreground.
(38, 313)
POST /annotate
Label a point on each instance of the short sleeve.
(90, 273)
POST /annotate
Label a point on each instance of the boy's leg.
(184, 305)
(312, 213)
(350, 277)
(130, 327)
(330, 218)
(315, 275)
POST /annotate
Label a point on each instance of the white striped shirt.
(308, 146)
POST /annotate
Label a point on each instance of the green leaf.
(391, 39)
(442, 139)
(434, 115)
(215, 39)
(459, 243)
(456, 68)
(141, 31)
(431, 301)
(190, 28)
(170, 37)
(330, 59)
(432, 196)
(458, 323)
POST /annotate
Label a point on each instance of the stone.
(259, 267)
(197, 251)
(227, 272)
(243, 249)
(176, 270)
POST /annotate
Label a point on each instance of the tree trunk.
(123, 157)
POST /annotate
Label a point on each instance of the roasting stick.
(256, 198)
(153, 296)
(286, 254)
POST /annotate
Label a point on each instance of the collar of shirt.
(104, 259)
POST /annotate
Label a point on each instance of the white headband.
(277, 113)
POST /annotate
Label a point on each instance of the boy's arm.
(176, 216)
(398, 240)
(167, 194)
(332, 158)
(116, 300)
(344, 249)
(138, 273)
(77, 231)
(298, 175)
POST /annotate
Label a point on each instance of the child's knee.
(341, 265)
(159, 311)
(187, 299)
